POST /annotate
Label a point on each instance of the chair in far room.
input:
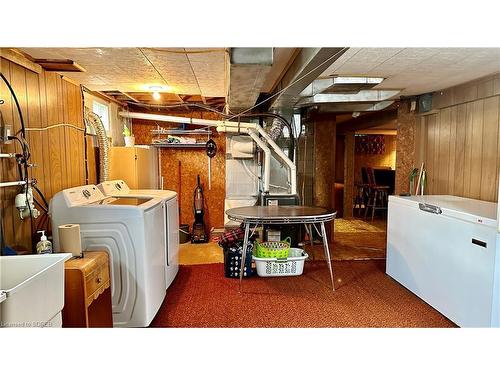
(377, 194)
(361, 197)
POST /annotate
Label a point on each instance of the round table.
(307, 215)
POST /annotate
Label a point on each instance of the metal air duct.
(94, 121)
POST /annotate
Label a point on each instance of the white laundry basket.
(291, 266)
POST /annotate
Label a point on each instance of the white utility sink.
(32, 290)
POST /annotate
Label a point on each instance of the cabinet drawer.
(96, 279)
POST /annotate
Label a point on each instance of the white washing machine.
(118, 188)
(131, 230)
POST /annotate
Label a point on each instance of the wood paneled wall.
(461, 145)
(46, 99)
(192, 162)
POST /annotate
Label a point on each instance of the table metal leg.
(244, 252)
(309, 231)
(327, 252)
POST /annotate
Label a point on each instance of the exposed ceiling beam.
(105, 97)
(128, 96)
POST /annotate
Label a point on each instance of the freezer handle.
(430, 208)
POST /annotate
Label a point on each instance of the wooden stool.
(361, 198)
(377, 194)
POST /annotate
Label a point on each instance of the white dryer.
(118, 188)
(131, 230)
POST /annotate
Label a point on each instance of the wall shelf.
(180, 132)
(179, 145)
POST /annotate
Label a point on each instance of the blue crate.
(232, 260)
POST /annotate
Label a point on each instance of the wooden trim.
(20, 58)
(67, 79)
(54, 65)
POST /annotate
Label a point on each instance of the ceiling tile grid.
(187, 71)
(418, 70)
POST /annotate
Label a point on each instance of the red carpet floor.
(201, 296)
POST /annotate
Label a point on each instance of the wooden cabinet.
(137, 166)
(87, 293)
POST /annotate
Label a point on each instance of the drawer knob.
(99, 280)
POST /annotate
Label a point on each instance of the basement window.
(101, 110)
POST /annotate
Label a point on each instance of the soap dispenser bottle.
(44, 246)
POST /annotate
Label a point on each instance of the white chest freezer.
(443, 248)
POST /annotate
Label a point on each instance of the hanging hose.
(94, 121)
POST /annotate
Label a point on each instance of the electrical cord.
(56, 126)
(41, 195)
(45, 209)
(17, 103)
(291, 84)
(26, 153)
(84, 138)
(177, 105)
(24, 146)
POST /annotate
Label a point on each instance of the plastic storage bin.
(232, 260)
(291, 266)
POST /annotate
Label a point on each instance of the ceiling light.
(156, 95)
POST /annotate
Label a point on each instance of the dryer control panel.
(82, 195)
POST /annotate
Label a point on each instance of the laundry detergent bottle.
(44, 246)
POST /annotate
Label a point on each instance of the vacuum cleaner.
(199, 233)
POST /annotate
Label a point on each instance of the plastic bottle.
(44, 246)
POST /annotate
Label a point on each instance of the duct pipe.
(292, 170)
(185, 120)
(224, 126)
(267, 159)
(95, 123)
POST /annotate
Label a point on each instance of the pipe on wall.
(267, 159)
(292, 170)
(227, 127)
